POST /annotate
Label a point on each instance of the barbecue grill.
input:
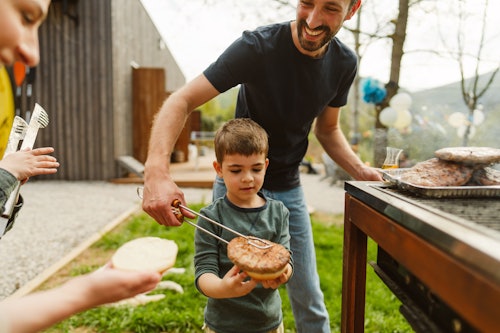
(439, 256)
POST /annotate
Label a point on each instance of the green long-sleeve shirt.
(260, 310)
(7, 184)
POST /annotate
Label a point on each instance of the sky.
(197, 31)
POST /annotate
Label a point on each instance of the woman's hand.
(24, 164)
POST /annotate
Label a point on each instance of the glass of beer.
(392, 158)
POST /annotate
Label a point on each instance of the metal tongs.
(252, 240)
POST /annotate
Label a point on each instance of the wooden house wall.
(84, 82)
(136, 43)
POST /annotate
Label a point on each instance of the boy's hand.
(282, 279)
(237, 283)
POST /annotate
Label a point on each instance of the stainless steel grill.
(439, 256)
(485, 212)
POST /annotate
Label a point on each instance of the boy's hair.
(241, 136)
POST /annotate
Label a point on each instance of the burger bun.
(146, 254)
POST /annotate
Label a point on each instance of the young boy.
(237, 303)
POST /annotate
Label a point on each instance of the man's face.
(318, 21)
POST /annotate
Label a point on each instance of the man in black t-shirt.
(290, 74)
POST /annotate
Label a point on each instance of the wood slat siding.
(148, 96)
(84, 82)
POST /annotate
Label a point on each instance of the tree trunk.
(398, 40)
(357, 83)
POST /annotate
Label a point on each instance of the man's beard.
(310, 45)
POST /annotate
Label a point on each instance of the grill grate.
(477, 210)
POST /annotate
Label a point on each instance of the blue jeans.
(304, 290)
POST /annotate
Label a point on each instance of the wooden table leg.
(353, 276)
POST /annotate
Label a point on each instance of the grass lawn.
(184, 312)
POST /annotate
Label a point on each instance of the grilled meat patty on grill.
(436, 172)
(487, 176)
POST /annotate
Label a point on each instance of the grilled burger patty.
(260, 264)
(487, 176)
(436, 172)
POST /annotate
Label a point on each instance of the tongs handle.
(251, 240)
(206, 231)
(177, 204)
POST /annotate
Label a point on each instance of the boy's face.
(243, 176)
(19, 23)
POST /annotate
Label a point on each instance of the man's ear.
(353, 10)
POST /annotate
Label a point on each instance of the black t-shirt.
(283, 90)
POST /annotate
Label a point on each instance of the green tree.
(218, 110)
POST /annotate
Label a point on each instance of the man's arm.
(333, 140)
(159, 187)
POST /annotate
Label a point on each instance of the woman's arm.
(40, 310)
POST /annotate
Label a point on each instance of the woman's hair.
(241, 136)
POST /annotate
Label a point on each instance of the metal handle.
(206, 231)
(254, 241)
(177, 204)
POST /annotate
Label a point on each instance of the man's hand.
(369, 173)
(158, 196)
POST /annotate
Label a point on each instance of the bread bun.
(469, 155)
(260, 264)
(266, 276)
(146, 253)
